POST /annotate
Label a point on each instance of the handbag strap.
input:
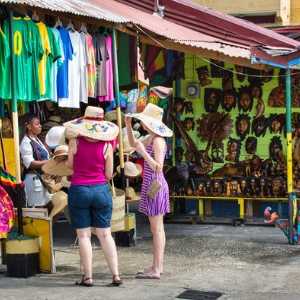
(113, 188)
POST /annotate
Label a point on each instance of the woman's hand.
(128, 121)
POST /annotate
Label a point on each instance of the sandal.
(147, 276)
(116, 282)
(147, 270)
(84, 282)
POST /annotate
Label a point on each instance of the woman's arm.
(72, 152)
(159, 145)
(109, 161)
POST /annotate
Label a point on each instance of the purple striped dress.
(160, 205)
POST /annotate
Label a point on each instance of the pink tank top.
(89, 163)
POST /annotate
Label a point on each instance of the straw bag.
(118, 213)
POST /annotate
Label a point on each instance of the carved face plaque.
(217, 152)
(229, 100)
(259, 126)
(245, 101)
(203, 76)
(212, 99)
(251, 145)
(242, 126)
(233, 150)
(240, 73)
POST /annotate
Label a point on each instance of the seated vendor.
(34, 155)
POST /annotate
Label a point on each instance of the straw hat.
(55, 137)
(59, 201)
(161, 91)
(57, 166)
(126, 145)
(131, 195)
(111, 116)
(92, 125)
(131, 169)
(152, 117)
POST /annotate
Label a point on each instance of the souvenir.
(193, 90)
(245, 99)
(242, 125)
(212, 98)
(217, 152)
(277, 187)
(201, 189)
(253, 189)
(189, 124)
(203, 76)
(227, 80)
(244, 187)
(277, 96)
(253, 75)
(260, 108)
(216, 68)
(251, 145)
(276, 123)
(263, 187)
(240, 73)
(267, 75)
(208, 187)
(259, 126)
(233, 188)
(255, 166)
(233, 150)
(229, 100)
(179, 105)
(275, 148)
(217, 187)
(256, 89)
(188, 107)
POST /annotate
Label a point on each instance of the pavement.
(247, 262)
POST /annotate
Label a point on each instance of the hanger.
(70, 26)
(83, 28)
(35, 16)
(58, 23)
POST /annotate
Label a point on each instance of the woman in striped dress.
(154, 197)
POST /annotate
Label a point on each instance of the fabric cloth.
(84, 72)
(35, 49)
(91, 65)
(43, 62)
(90, 206)
(63, 69)
(7, 213)
(160, 204)
(56, 64)
(21, 53)
(89, 163)
(33, 149)
(76, 67)
(55, 54)
(109, 96)
(124, 59)
(5, 91)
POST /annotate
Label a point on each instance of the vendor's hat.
(152, 117)
(59, 201)
(92, 125)
(131, 169)
(56, 166)
(126, 145)
(131, 195)
(55, 137)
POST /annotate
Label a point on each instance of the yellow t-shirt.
(47, 50)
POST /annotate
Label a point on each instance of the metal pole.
(14, 106)
(118, 108)
(291, 196)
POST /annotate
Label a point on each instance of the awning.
(76, 7)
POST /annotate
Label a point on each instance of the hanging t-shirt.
(21, 53)
(55, 54)
(109, 73)
(36, 52)
(76, 66)
(43, 63)
(101, 57)
(91, 65)
(56, 64)
(5, 91)
(84, 74)
(63, 70)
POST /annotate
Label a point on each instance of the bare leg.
(157, 229)
(110, 251)
(85, 250)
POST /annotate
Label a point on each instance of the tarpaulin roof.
(76, 7)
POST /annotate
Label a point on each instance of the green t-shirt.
(55, 54)
(21, 52)
(5, 91)
(35, 51)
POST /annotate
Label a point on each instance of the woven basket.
(118, 213)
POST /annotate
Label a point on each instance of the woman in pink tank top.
(90, 199)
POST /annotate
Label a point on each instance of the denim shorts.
(90, 206)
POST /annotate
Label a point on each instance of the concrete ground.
(239, 262)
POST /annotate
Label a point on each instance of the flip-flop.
(84, 282)
(147, 276)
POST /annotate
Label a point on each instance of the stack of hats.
(52, 121)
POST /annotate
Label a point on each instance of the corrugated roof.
(76, 7)
(174, 32)
(214, 23)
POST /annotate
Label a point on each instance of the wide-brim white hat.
(131, 194)
(131, 169)
(92, 125)
(152, 117)
(55, 137)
